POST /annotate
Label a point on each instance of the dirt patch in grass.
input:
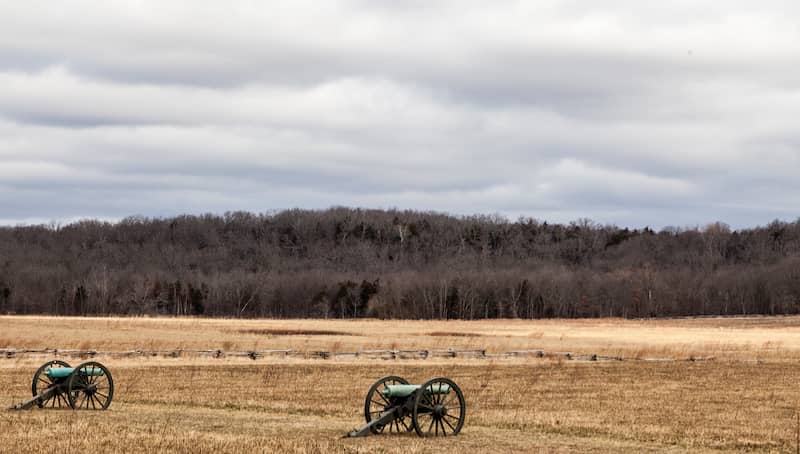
(453, 334)
(295, 332)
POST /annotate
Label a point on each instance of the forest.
(351, 263)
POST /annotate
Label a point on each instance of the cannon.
(57, 385)
(435, 408)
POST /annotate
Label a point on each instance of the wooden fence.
(10, 353)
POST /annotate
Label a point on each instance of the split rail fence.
(10, 353)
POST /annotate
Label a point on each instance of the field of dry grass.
(746, 399)
(726, 338)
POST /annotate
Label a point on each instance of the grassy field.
(746, 399)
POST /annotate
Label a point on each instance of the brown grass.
(730, 338)
(185, 404)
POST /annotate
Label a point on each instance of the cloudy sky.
(626, 112)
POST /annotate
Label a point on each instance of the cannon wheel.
(376, 403)
(41, 382)
(90, 390)
(438, 414)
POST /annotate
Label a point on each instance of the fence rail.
(11, 353)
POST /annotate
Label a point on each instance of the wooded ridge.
(347, 263)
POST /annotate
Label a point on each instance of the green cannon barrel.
(407, 390)
(63, 372)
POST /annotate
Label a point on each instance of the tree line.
(348, 263)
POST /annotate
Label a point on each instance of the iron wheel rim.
(376, 403)
(439, 414)
(90, 391)
(41, 382)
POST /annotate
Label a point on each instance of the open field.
(724, 338)
(747, 399)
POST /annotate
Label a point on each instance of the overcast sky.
(626, 112)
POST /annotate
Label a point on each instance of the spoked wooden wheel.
(377, 402)
(90, 387)
(41, 381)
(439, 408)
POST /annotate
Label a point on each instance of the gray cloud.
(637, 114)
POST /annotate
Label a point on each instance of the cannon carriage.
(57, 385)
(435, 408)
